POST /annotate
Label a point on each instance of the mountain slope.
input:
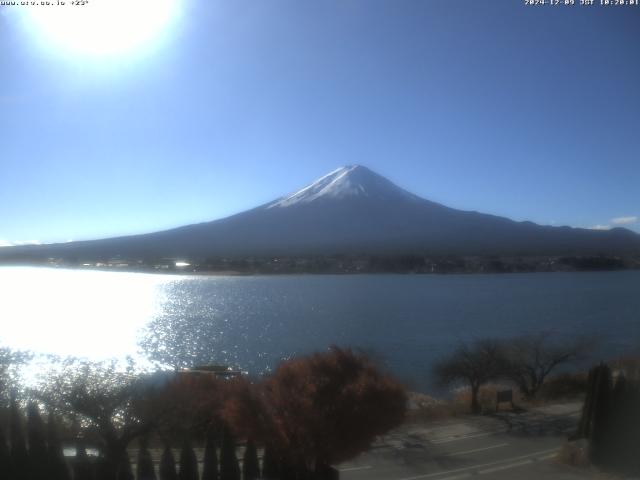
(350, 210)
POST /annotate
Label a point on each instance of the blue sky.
(527, 112)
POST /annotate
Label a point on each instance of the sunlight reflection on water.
(71, 312)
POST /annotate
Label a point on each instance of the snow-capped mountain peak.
(344, 182)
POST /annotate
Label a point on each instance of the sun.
(101, 27)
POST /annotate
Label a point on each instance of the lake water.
(406, 321)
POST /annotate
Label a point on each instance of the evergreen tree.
(325, 471)
(229, 468)
(624, 422)
(633, 425)
(82, 468)
(37, 444)
(58, 468)
(168, 465)
(104, 469)
(618, 437)
(210, 468)
(586, 419)
(145, 470)
(250, 466)
(287, 470)
(19, 454)
(610, 420)
(599, 446)
(5, 458)
(125, 472)
(270, 463)
(188, 463)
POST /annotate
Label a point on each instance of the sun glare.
(75, 315)
(102, 27)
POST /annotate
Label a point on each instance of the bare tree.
(10, 363)
(117, 404)
(475, 364)
(529, 359)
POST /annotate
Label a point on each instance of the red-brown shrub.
(329, 407)
(244, 409)
(189, 404)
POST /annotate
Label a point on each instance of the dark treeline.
(415, 264)
(349, 264)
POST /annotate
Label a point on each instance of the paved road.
(503, 446)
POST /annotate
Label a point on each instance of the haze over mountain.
(351, 210)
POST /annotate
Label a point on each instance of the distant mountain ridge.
(351, 210)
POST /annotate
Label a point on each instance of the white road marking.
(353, 469)
(464, 437)
(476, 450)
(547, 457)
(458, 477)
(490, 464)
(505, 467)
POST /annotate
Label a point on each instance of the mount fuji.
(351, 210)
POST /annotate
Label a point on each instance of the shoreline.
(257, 273)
